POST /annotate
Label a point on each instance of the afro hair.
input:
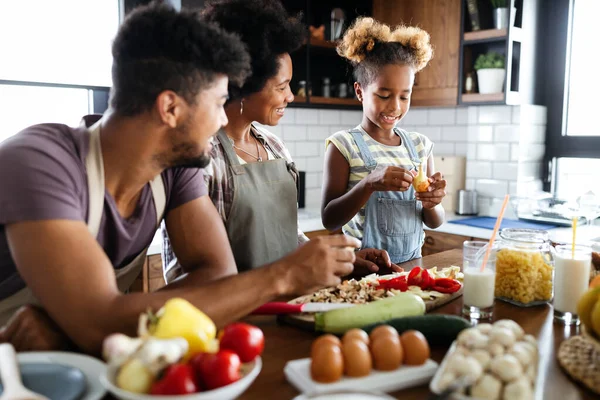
(369, 44)
(158, 48)
(266, 29)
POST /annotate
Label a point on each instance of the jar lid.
(524, 236)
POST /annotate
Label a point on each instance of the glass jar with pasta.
(524, 267)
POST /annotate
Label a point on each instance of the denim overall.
(393, 220)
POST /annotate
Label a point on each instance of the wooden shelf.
(482, 98)
(488, 35)
(327, 44)
(334, 100)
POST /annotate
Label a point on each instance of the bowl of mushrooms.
(496, 361)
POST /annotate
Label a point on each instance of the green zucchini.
(341, 320)
(438, 329)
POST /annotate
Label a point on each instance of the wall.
(504, 145)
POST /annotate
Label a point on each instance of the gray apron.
(262, 224)
(95, 175)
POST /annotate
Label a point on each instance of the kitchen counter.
(309, 220)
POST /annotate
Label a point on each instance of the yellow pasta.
(523, 276)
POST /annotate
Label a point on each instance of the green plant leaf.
(489, 60)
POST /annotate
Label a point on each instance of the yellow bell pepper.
(179, 318)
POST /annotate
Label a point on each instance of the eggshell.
(357, 358)
(387, 353)
(415, 348)
(327, 363)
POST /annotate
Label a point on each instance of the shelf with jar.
(499, 47)
(322, 79)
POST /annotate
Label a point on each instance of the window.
(573, 141)
(56, 60)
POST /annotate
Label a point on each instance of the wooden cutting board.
(307, 321)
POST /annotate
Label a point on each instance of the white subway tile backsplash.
(415, 117)
(471, 151)
(329, 117)
(462, 116)
(505, 170)
(514, 152)
(483, 133)
(493, 152)
(495, 114)
(351, 118)
(461, 149)
(307, 116)
(491, 187)
(313, 180)
(313, 197)
(294, 133)
(441, 116)
(512, 188)
(318, 133)
(479, 169)
(507, 133)
(276, 130)
(444, 149)
(314, 164)
(470, 184)
(291, 146)
(434, 133)
(307, 149)
(455, 133)
(516, 115)
(300, 162)
(289, 117)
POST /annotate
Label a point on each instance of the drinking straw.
(496, 228)
(574, 235)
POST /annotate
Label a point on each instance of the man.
(78, 207)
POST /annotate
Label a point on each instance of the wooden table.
(284, 343)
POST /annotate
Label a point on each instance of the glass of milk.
(478, 290)
(571, 281)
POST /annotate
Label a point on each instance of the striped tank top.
(384, 155)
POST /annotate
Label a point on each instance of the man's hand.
(30, 329)
(319, 263)
(435, 192)
(372, 260)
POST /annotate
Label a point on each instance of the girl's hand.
(374, 260)
(435, 192)
(390, 178)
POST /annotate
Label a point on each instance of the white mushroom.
(533, 350)
(469, 337)
(530, 339)
(518, 390)
(483, 357)
(484, 328)
(506, 367)
(512, 326)
(472, 369)
(445, 380)
(455, 363)
(495, 349)
(523, 353)
(504, 336)
(531, 373)
(487, 387)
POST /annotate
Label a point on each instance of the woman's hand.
(374, 260)
(435, 192)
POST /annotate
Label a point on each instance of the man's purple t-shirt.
(43, 176)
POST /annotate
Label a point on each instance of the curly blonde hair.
(369, 43)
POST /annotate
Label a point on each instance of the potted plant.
(491, 70)
(501, 14)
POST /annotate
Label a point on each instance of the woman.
(252, 178)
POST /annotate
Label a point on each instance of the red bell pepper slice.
(420, 277)
(446, 285)
(398, 283)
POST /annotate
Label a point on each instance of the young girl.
(369, 170)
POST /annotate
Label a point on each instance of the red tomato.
(177, 379)
(245, 340)
(216, 370)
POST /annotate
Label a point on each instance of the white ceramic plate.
(297, 373)
(249, 371)
(91, 367)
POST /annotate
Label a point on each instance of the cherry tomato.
(177, 379)
(247, 341)
(214, 370)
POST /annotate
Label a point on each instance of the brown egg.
(415, 346)
(387, 353)
(356, 334)
(328, 338)
(327, 363)
(385, 330)
(357, 358)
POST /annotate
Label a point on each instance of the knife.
(273, 308)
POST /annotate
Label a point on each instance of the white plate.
(91, 367)
(435, 387)
(250, 371)
(297, 373)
